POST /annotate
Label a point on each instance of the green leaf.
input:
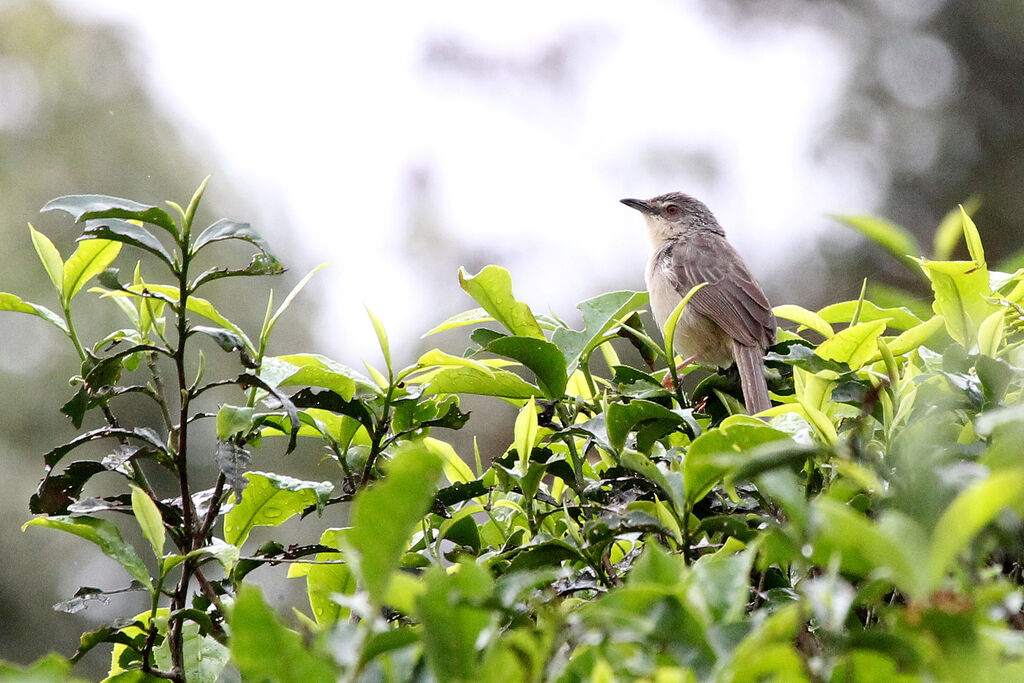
(668, 329)
(472, 317)
(716, 452)
(915, 336)
(968, 514)
(455, 468)
(12, 302)
(600, 315)
(808, 319)
(129, 233)
(542, 357)
(721, 583)
(382, 340)
(897, 317)
(147, 514)
(622, 418)
(950, 229)
(84, 207)
(898, 241)
(313, 370)
(105, 535)
(495, 382)
(196, 305)
(225, 229)
(272, 321)
(525, 433)
(892, 550)
(990, 333)
(233, 420)
(89, 260)
(492, 288)
(269, 500)
(855, 345)
(385, 514)
(453, 622)
(259, 265)
(972, 238)
(961, 296)
(264, 650)
(50, 257)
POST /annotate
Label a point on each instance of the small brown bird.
(727, 320)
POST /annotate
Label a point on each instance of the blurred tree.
(75, 117)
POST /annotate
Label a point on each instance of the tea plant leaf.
(129, 233)
(600, 315)
(14, 303)
(401, 499)
(855, 345)
(492, 288)
(225, 229)
(897, 316)
(84, 207)
(961, 296)
(105, 535)
(48, 254)
(147, 514)
(89, 260)
(269, 500)
(471, 317)
(494, 382)
(542, 357)
(898, 241)
(808, 319)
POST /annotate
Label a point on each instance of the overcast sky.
(530, 121)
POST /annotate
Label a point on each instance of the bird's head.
(672, 215)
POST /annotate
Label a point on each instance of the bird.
(729, 320)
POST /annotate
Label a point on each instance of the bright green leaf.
(382, 339)
(12, 302)
(802, 316)
(495, 382)
(89, 260)
(233, 420)
(897, 316)
(526, 433)
(600, 315)
(269, 500)
(898, 241)
(492, 288)
(50, 257)
(147, 514)
(961, 296)
(855, 345)
(473, 316)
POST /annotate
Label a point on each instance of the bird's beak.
(638, 204)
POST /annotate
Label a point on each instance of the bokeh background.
(399, 141)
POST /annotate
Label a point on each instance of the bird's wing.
(731, 298)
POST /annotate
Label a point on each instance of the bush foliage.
(866, 528)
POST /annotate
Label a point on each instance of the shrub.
(866, 528)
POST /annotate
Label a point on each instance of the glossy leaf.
(473, 316)
(89, 260)
(600, 315)
(855, 345)
(270, 500)
(525, 433)
(105, 535)
(495, 382)
(714, 453)
(225, 229)
(805, 318)
(895, 316)
(84, 207)
(961, 296)
(623, 418)
(542, 357)
(492, 288)
(308, 369)
(128, 233)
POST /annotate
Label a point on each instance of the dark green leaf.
(56, 492)
(143, 434)
(84, 207)
(261, 264)
(233, 461)
(110, 633)
(540, 356)
(225, 229)
(622, 418)
(129, 233)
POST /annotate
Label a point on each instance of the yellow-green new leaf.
(438, 358)
(990, 333)
(89, 260)
(454, 467)
(147, 514)
(855, 345)
(808, 319)
(972, 238)
(526, 432)
(951, 228)
(50, 257)
(382, 339)
(915, 336)
(892, 237)
(962, 294)
(492, 288)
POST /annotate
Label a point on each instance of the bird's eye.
(672, 209)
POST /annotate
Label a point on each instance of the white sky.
(329, 105)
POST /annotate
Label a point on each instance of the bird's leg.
(668, 383)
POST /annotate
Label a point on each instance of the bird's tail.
(750, 362)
